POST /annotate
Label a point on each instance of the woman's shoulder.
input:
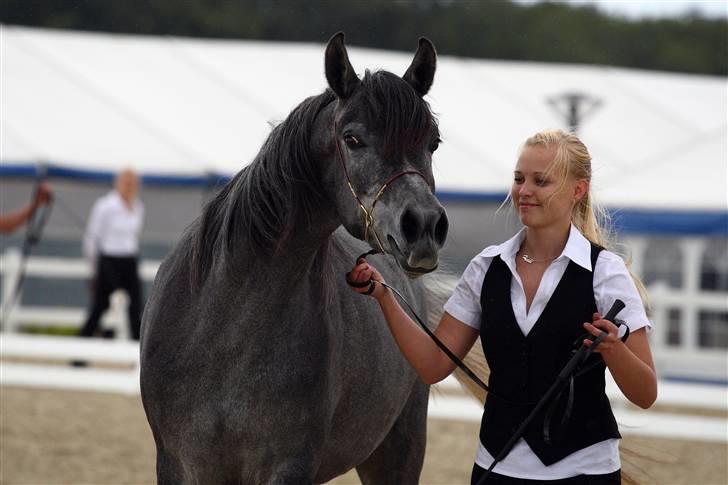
(610, 259)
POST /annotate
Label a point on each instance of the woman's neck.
(545, 242)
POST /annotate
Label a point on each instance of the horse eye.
(352, 141)
(434, 145)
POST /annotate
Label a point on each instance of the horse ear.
(339, 72)
(422, 70)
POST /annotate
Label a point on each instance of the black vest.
(522, 368)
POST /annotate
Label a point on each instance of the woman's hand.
(630, 363)
(362, 273)
(599, 325)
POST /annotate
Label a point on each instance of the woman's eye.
(352, 141)
(541, 182)
(518, 180)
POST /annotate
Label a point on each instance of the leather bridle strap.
(369, 213)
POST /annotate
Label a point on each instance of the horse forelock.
(404, 118)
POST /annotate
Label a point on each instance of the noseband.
(369, 213)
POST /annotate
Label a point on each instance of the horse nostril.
(441, 229)
(410, 226)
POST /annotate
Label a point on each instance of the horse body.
(261, 366)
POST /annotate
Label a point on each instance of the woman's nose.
(525, 189)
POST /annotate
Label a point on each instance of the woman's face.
(543, 199)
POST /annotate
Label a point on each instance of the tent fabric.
(185, 110)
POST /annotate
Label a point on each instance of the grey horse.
(258, 364)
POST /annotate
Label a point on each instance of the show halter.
(369, 213)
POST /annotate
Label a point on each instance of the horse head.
(384, 135)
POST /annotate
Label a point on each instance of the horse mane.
(264, 201)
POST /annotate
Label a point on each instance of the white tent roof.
(183, 107)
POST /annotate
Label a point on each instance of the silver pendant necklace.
(530, 260)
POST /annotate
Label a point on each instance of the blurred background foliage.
(495, 29)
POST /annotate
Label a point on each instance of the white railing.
(25, 359)
(48, 362)
(13, 314)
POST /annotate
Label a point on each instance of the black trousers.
(614, 478)
(113, 273)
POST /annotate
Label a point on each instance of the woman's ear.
(580, 190)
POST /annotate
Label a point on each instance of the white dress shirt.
(611, 281)
(113, 228)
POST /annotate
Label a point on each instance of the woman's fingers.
(361, 272)
(598, 327)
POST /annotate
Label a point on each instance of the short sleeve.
(612, 280)
(464, 303)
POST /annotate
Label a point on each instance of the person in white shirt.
(527, 299)
(111, 245)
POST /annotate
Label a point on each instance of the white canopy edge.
(189, 107)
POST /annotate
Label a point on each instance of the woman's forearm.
(636, 379)
(15, 219)
(430, 363)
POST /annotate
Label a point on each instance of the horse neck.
(311, 233)
(298, 252)
(264, 193)
(306, 258)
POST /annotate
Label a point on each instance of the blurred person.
(111, 245)
(13, 220)
(528, 299)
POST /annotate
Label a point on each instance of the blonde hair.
(572, 160)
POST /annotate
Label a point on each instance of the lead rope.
(369, 222)
(454, 358)
(566, 376)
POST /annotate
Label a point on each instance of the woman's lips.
(524, 206)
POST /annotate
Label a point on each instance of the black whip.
(568, 371)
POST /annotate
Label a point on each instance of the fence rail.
(24, 358)
(13, 313)
(451, 403)
(25, 363)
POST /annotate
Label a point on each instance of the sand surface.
(67, 437)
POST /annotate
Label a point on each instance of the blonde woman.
(528, 299)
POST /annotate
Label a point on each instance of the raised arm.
(430, 363)
(11, 221)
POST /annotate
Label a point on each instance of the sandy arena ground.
(63, 437)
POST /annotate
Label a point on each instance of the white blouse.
(113, 228)
(611, 281)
